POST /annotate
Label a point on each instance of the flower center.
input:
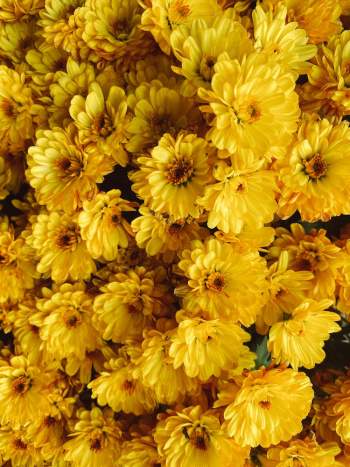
(63, 164)
(216, 282)
(4, 258)
(113, 215)
(72, 318)
(207, 67)
(179, 11)
(128, 386)
(247, 111)
(20, 385)
(9, 108)
(19, 445)
(281, 293)
(161, 123)
(49, 421)
(66, 239)
(179, 172)
(59, 65)
(316, 167)
(102, 125)
(134, 307)
(199, 439)
(24, 44)
(95, 445)
(121, 26)
(175, 227)
(266, 405)
(305, 262)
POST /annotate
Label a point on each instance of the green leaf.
(311, 225)
(263, 355)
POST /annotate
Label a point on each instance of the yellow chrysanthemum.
(287, 288)
(5, 177)
(268, 407)
(102, 224)
(283, 42)
(130, 300)
(76, 81)
(96, 439)
(249, 240)
(162, 17)
(205, 43)
(222, 283)
(315, 175)
(23, 390)
(174, 175)
(155, 367)
(323, 424)
(343, 302)
(64, 172)
(112, 31)
(60, 248)
(13, 10)
(192, 436)
(17, 450)
(254, 104)
(300, 452)
(338, 406)
(17, 270)
(164, 234)
(140, 451)
(17, 107)
(313, 252)
(57, 21)
(17, 38)
(328, 89)
(236, 200)
(102, 119)
(206, 348)
(64, 320)
(14, 157)
(117, 387)
(300, 337)
(157, 110)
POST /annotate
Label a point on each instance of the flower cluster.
(168, 288)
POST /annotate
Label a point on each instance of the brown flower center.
(63, 164)
(19, 445)
(305, 262)
(266, 405)
(113, 215)
(179, 11)
(25, 44)
(175, 228)
(102, 125)
(316, 167)
(281, 293)
(4, 258)
(121, 26)
(199, 439)
(206, 67)
(49, 421)
(161, 123)
(66, 239)
(179, 172)
(95, 445)
(72, 318)
(9, 108)
(20, 385)
(216, 282)
(59, 65)
(128, 386)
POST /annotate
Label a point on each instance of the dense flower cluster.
(168, 285)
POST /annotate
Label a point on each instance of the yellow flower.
(14, 157)
(268, 407)
(164, 234)
(102, 224)
(15, 447)
(287, 288)
(162, 17)
(299, 452)
(249, 240)
(222, 283)
(206, 348)
(140, 451)
(324, 424)
(12, 10)
(315, 175)
(57, 22)
(76, 81)
(155, 367)
(17, 38)
(102, 120)
(117, 387)
(64, 319)
(283, 42)
(236, 200)
(129, 302)
(96, 439)
(174, 175)
(313, 252)
(205, 43)
(5, 177)
(112, 31)
(157, 110)
(17, 107)
(254, 104)
(60, 248)
(328, 89)
(193, 437)
(23, 391)
(64, 172)
(17, 270)
(300, 337)
(343, 303)
(345, 6)
(338, 406)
